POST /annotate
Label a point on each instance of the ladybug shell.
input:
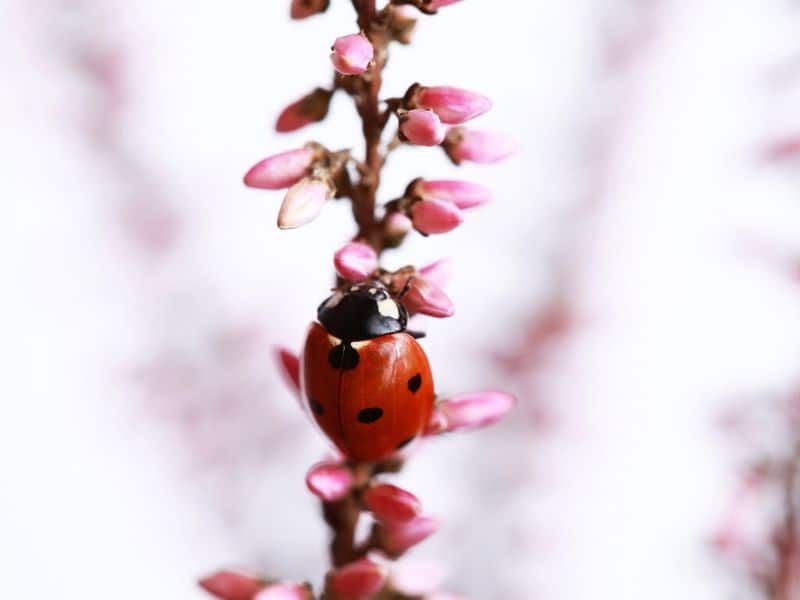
(370, 397)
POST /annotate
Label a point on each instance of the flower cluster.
(313, 176)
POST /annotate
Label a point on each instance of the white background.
(146, 438)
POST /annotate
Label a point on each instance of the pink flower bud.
(471, 411)
(464, 194)
(437, 423)
(306, 8)
(355, 261)
(453, 105)
(289, 365)
(400, 536)
(358, 580)
(281, 170)
(233, 585)
(438, 273)
(785, 149)
(329, 481)
(435, 216)
(309, 109)
(391, 503)
(427, 298)
(483, 147)
(437, 4)
(422, 127)
(352, 54)
(285, 591)
(303, 202)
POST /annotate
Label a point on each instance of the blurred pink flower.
(422, 127)
(281, 170)
(233, 585)
(358, 580)
(399, 536)
(329, 481)
(352, 54)
(483, 147)
(438, 272)
(435, 216)
(454, 106)
(303, 202)
(355, 261)
(391, 503)
(427, 298)
(472, 411)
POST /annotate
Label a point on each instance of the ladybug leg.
(416, 334)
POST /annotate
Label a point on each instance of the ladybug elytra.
(365, 379)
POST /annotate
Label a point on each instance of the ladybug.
(366, 380)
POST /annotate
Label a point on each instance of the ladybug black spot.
(316, 407)
(370, 415)
(343, 356)
(415, 382)
(405, 442)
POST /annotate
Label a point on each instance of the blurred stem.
(787, 579)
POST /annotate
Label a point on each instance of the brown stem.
(787, 544)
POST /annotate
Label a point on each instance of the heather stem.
(788, 558)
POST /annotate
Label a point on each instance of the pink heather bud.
(471, 411)
(355, 261)
(464, 194)
(285, 591)
(427, 298)
(306, 8)
(391, 503)
(329, 481)
(395, 228)
(352, 54)
(289, 365)
(309, 109)
(435, 216)
(400, 536)
(422, 127)
(437, 4)
(361, 579)
(303, 202)
(453, 105)
(437, 423)
(483, 147)
(438, 273)
(233, 585)
(281, 170)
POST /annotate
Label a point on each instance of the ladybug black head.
(361, 312)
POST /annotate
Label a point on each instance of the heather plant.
(351, 484)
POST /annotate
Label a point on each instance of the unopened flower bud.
(437, 4)
(483, 147)
(329, 481)
(399, 536)
(472, 411)
(464, 194)
(427, 298)
(391, 503)
(281, 170)
(352, 54)
(359, 580)
(303, 202)
(233, 585)
(306, 8)
(290, 368)
(439, 272)
(435, 216)
(453, 105)
(422, 127)
(309, 109)
(285, 591)
(355, 261)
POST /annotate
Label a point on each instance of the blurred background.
(635, 283)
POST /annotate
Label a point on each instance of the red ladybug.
(366, 380)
